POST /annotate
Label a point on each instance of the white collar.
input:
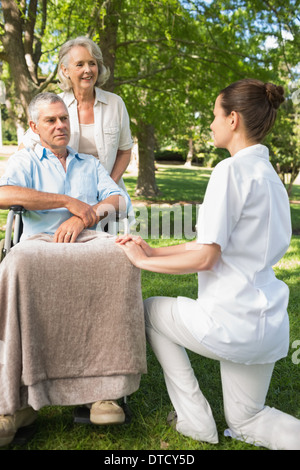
(258, 149)
(100, 95)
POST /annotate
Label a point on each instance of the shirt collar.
(100, 95)
(259, 150)
(69, 97)
(43, 152)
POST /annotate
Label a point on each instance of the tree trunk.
(14, 49)
(108, 31)
(146, 183)
(190, 154)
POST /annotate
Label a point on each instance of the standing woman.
(240, 316)
(99, 119)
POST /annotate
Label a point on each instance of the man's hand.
(69, 230)
(82, 210)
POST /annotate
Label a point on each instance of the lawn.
(150, 405)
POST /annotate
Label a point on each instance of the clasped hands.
(135, 248)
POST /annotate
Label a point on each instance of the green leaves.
(170, 58)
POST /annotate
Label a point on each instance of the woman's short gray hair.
(94, 50)
(41, 99)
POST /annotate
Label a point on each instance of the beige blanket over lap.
(71, 323)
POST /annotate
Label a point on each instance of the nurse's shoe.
(210, 436)
(9, 424)
(172, 419)
(107, 412)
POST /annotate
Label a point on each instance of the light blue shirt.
(85, 179)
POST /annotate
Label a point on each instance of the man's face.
(53, 126)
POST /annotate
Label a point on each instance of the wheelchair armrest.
(17, 209)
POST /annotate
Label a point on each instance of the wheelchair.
(13, 232)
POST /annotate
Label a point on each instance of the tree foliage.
(168, 60)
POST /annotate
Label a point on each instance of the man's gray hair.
(42, 99)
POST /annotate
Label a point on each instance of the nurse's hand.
(124, 239)
(134, 253)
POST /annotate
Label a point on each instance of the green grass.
(150, 404)
(3, 215)
(176, 183)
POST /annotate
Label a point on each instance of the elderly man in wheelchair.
(71, 314)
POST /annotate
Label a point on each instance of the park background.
(168, 61)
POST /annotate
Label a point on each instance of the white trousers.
(244, 387)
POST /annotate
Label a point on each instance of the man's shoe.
(107, 412)
(9, 424)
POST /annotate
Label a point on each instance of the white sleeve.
(125, 141)
(221, 207)
(18, 171)
(30, 139)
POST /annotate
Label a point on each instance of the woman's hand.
(185, 258)
(124, 239)
(134, 253)
(69, 230)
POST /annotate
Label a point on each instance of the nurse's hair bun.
(257, 102)
(275, 94)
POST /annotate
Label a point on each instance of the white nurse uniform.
(240, 316)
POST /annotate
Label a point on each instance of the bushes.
(169, 156)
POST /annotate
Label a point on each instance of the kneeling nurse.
(240, 316)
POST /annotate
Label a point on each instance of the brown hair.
(257, 103)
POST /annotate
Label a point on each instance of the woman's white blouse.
(241, 310)
(111, 125)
